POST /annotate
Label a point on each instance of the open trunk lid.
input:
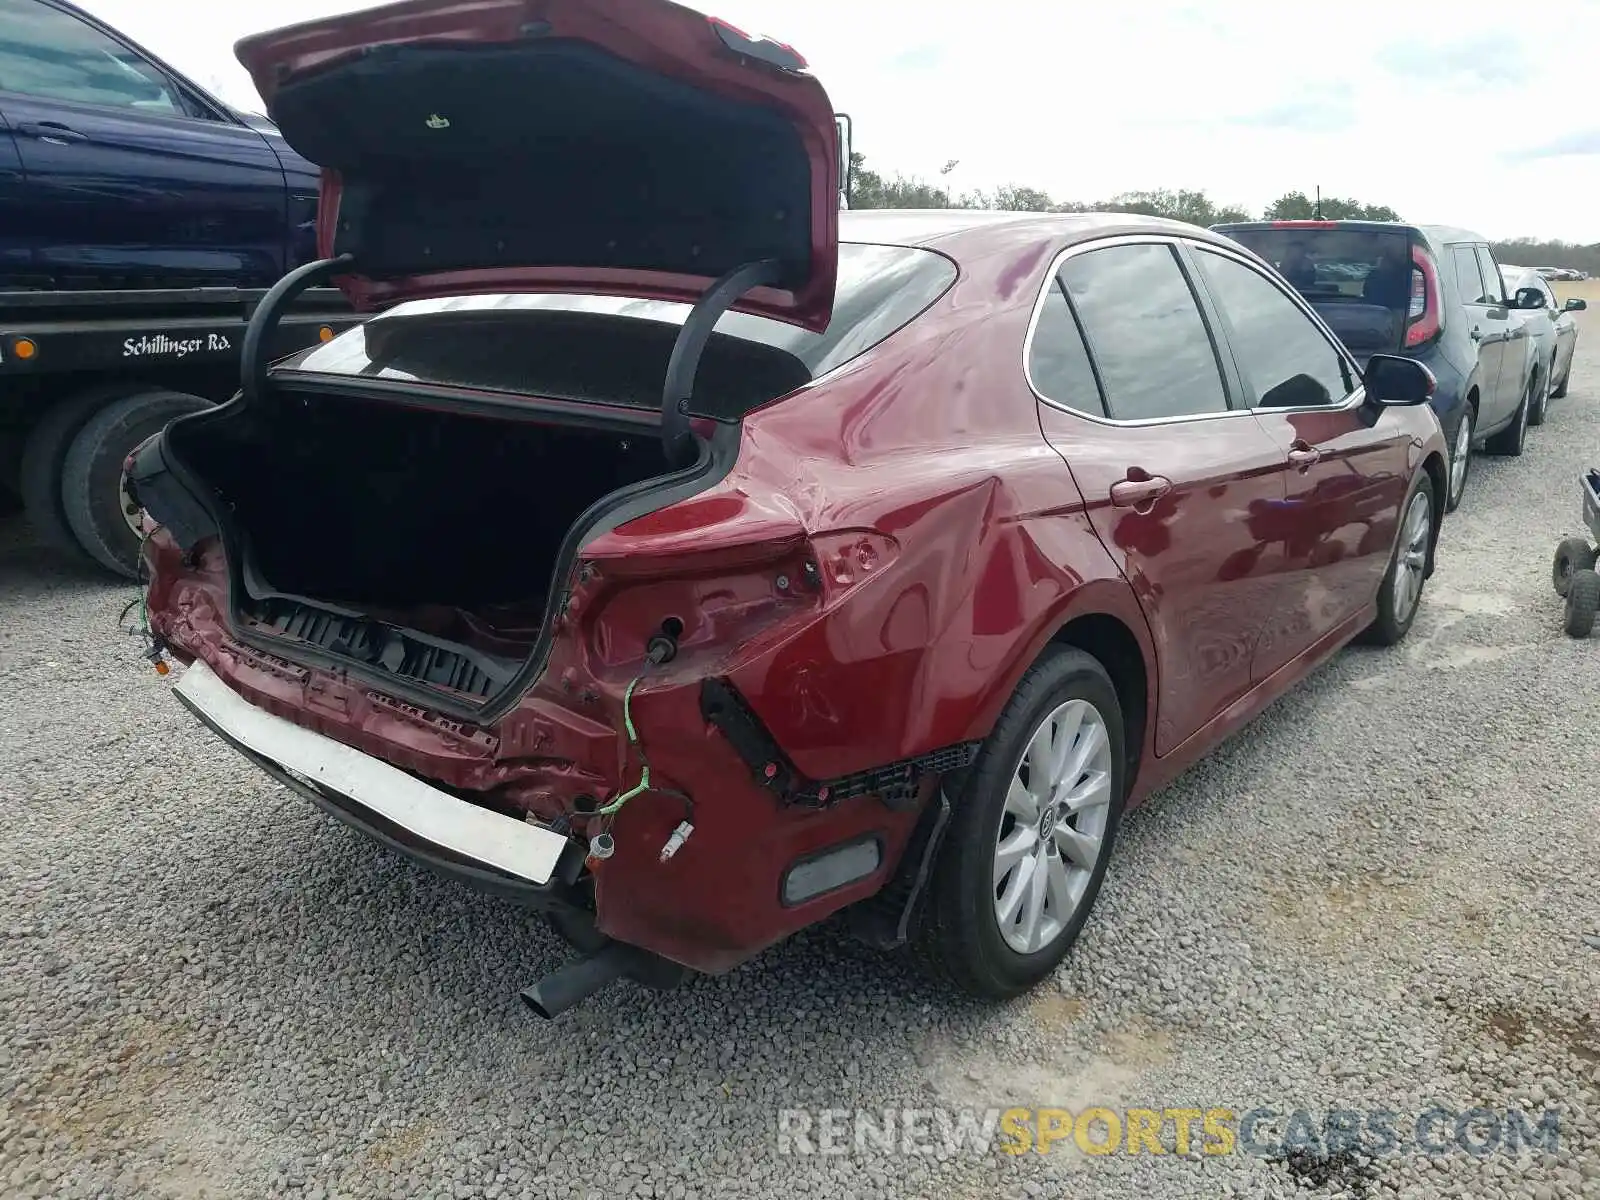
(1357, 276)
(628, 147)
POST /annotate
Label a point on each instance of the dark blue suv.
(1429, 292)
(116, 172)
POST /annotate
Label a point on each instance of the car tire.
(1509, 442)
(43, 456)
(1560, 392)
(91, 474)
(1400, 593)
(1460, 459)
(1541, 406)
(962, 936)
(1583, 601)
(1572, 555)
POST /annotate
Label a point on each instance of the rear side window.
(1146, 334)
(1286, 360)
(1058, 361)
(615, 350)
(51, 54)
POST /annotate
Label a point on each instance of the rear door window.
(1150, 344)
(1286, 360)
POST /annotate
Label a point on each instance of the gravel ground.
(1382, 896)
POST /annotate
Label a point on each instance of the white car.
(1554, 333)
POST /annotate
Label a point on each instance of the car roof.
(1438, 235)
(945, 228)
(1449, 235)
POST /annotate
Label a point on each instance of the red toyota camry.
(692, 562)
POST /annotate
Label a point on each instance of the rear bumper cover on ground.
(484, 848)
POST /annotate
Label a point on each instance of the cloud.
(926, 57)
(1330, 112)
(1580, 144)
(1467, 64)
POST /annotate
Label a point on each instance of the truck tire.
(91, 476)
(44, 452)
(10, 473)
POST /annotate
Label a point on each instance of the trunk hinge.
(252, 361)
(676, 438)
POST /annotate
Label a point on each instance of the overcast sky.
(1466, 112)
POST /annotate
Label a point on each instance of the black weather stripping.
(895, 784)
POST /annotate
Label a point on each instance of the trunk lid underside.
(620, 146)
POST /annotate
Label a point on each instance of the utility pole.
(1317, 212)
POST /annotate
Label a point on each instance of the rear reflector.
(832, 869)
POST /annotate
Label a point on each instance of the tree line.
(870, 189)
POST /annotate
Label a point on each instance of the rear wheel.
(1461, 458)
(1400, 594)
(1541, 402)
(1583, 601)
(1573, 554)
(97, 508)
(1032, 832)
(1510, 440)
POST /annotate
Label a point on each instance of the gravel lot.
(1377, 898)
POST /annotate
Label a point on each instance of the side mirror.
(1393, 381)
(1530, 298)
(1575, 305)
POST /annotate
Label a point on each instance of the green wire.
(633, 740)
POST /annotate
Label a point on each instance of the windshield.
(880, 289)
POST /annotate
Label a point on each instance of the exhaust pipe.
(582, 978)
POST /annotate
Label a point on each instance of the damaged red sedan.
(692, 563)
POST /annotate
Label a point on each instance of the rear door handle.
(1305, 456)
(1139, 493)
(51, 131)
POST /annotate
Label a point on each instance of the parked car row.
(1562, 274)
(1494, 337)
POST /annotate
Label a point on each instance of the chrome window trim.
(1176, 241)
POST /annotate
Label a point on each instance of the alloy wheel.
(1412, 561)
(1053, 828)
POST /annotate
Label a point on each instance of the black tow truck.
(142, 220)
(86, 376)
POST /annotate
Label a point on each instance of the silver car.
(1553, 330)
